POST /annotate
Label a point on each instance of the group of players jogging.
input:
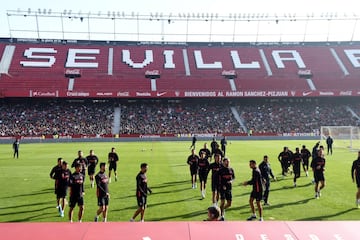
(223, 175)
(65, 179)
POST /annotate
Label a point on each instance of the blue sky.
(223, 7)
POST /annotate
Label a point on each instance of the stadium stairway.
(239, 119)
(116, 122)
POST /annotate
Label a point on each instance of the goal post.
(343, 136)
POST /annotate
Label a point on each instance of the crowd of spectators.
(177, 118)
(304, 117)
(61, 117)
(37, 118)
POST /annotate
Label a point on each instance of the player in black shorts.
(77, 192)
(203, 164)
(318, 166)
(226, 178)
(285, 158)
(92, 161)
(63, 185)
(142, 190)
(257, 191)
(355, 175)
(55, 174)
(193, 161)
(82, 161)
(296, 161)
(102, 193)
(113, 158)
(207, 151)
(305, 154)
(215, 168)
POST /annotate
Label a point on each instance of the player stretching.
(226, 178)
(257, 191)
(215, 168)
(318, 166)
(102, 193)
(355, 174)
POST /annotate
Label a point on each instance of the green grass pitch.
(27, 191)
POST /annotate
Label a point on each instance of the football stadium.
(152, 129)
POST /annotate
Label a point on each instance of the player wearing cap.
(203, 164)
(226, 178)
(355, 175)
(102, 192)
(257, 191)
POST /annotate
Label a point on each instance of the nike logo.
(160, 94)
(306, 93)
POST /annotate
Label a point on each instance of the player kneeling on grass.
(256, 194)
(102, 192)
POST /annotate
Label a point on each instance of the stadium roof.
(184, 21)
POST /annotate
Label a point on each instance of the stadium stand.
(265, 117)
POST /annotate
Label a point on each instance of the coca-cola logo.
(228, 73)
(305, 73)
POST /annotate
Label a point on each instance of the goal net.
(343, 136)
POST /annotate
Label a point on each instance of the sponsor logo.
(143, 94)
(160, 94)
(104, 94)
(305, 73)
(152, 73)
(306, 93)
(44, 94)
(346, 93)
(358, 93)
(72, 73)
(326, 93)
(77, 94)
(123, 94)
(293, 93)
(228, 73)
(177, 93)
